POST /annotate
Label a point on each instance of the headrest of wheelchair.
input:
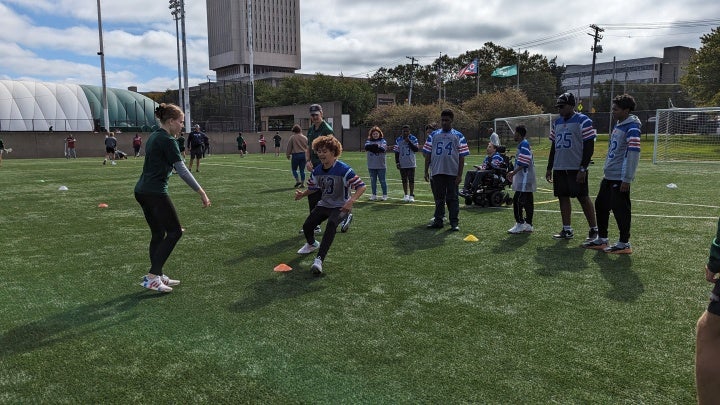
(501, 149)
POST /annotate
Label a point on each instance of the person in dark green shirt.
(242, 146)
(162, 155)
(318, 127)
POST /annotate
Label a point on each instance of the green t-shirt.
(312, 134)
(161, 152)
(240, 141)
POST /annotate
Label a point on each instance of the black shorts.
(109, 149)
(714, 306)
(565, 184)
(196, 153)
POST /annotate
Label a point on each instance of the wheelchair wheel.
(468, 201)
(508, 199)
(497, 198)
(480, 200)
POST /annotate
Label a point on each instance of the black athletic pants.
(316, 217)
(165, 227)
(523, 201)
(610, 198)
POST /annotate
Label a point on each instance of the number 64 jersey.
(445, 149)
(334, 184)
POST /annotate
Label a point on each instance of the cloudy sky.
(57, 40)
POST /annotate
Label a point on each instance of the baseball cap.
(565, 99)
(315, 108)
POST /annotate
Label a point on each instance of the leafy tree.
(702, 80)
(506, 103)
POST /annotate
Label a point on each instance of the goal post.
(537, 125)
(686, 134)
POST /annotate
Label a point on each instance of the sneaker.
(316, 267)
(592, 235)
(596, 244)
(345, 224)
(112, 162)
(454, 228)
(168, 281)
(297, 184)
(518, 228)
(318, 230)
(619, 249)
(528, 228)
(564, 234)
(435, 224)
(307, 248)
(156, 284)
(406, 198)
(373, 197)
(384, 197)
(104, 162)
(411, 198)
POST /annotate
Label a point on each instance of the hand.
(510, 176)
(581, 177)
(458, 179)
(548, 176)
(624, 187)
(288, 157)
(205, 200)
(397, 165)
(347, 207)
(309, 166)
(709, 275)
(427, 177)
(299, 194)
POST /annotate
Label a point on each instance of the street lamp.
(101, 53)
(176, 16)
(178, 7)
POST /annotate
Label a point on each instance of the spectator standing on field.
(376, 145)
(523, 183)
(277, 140)
(573, 143)
(2, 151)
(318, 127)
(162, 155)
(406, 145)
(620, 166)
(494, 138)
(263, 142)
(242, 146)
(110, 148)
(70, 147)
(196, 144)
(445, 151)
(296, 149)
(137, 143)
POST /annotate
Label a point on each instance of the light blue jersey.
(623, 151)
(524, 180)
(334, 184)
(377, 160)
(405, 152)
(568, 137)
(445, 149)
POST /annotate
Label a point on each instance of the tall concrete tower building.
(275, 27)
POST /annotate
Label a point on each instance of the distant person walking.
(162, 155)
(70, 147)
(241, 144)
(296, 149)
(110, 148)
(137, 143)
(196, 144)
(263, 143)
(276, 140)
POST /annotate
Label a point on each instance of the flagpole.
(518, 70)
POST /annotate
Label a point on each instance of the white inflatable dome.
(37, 106)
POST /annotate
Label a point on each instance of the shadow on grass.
(408, 241)
(282, 286)
(277, 190)
(71, 324)
(617, 270)
(286, 245)
(564, 256)
(511, 243)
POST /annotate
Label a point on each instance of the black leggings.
(316, 217)
(523, 200)
(165, 227)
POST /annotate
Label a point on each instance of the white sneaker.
(155, 283)
(317, 230)
(518, 228)
(384, 197)
(113, 163)
(411, 198)
(345, 224)
(373, 197)
(168, 281)
(307, 248)
(406, 198)
(527, 228)
(316, 267)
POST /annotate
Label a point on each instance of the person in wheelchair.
(495, 164)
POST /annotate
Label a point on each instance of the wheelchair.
(486, 187)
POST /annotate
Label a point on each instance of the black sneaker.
(435, 224)
(454, 228)
(345, 224)
(592, 235)
(564, 234)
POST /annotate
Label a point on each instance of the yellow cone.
(471, 238)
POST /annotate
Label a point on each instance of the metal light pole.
(252, 66)
(412, 74)
(179, 6)
(106, 115)
(175, 11)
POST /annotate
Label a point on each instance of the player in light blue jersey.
(333, 179)
(376, 146)
(523, 183)
(573, 143)
(620, 166)
(445, 151)
(405, 148)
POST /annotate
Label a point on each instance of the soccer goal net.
(537, 125)
(686, 134)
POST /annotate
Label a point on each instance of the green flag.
(505, 71)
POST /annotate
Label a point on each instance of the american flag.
(470, 69)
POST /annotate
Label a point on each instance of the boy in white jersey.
(333, 179)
